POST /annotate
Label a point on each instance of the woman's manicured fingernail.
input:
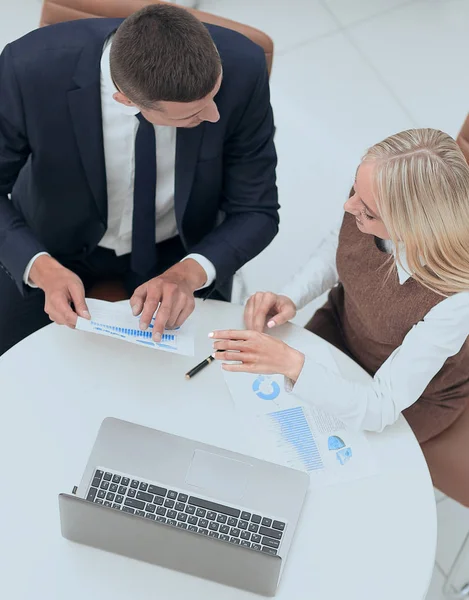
(271, 324)
(143, 326)
(157, 336)
(210, 334)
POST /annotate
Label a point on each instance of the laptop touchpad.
(215, 474)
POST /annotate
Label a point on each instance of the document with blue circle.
(283, 429)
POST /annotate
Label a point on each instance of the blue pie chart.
(270, 389)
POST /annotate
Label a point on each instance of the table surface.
(370, 538)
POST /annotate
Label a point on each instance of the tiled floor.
(346, 74)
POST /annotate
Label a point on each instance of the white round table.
(372, 538)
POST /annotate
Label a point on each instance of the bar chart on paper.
(294, 438)
(136, 333)
(118, 322)
(282, 429)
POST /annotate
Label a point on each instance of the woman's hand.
(257, 353)
(267, 307)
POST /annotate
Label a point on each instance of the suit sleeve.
(250, 199)
(17, 242)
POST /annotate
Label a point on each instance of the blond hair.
(421, 181)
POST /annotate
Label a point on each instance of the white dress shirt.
(403, 377)
(119, 130)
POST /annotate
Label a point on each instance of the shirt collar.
(403, 271)
(108, 87)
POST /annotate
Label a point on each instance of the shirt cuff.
(293, 386)
(290, 291)
(29, 266)
(207, 266)
(318, 360)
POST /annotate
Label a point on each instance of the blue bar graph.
(294, 434)
(137, 333)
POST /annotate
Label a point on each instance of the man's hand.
(270, 308)
(173, 292)
(62, 288)
(257, 353)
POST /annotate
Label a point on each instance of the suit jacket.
(52, 157)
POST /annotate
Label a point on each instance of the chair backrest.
(56, 11)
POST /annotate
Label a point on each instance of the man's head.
(164, 62)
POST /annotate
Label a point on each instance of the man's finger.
(162, 316)
(56, 318)
(153, 298)
(138, 300)
(77, 293)
(64, 312)
(176, 309)
(185, 313)
(149, 309)
(168, 296)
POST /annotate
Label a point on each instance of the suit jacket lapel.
(187, 151)
(85, 109)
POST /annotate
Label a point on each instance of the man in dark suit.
(139, 149)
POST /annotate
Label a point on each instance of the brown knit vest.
(371, 313)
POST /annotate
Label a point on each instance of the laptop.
(185, 505)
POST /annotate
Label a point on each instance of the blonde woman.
(400, 309)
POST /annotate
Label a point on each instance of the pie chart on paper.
(265, 388)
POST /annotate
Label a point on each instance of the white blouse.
(403, 377)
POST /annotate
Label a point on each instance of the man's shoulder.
(237, 51)
(70, 35)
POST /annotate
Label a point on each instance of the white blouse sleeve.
(318, 275)
(400, 380)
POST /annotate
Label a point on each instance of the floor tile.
(458, 578)
(453, 527)
(17, 19)
(435, 591)
(349, 13)
(327, 114)
(420, 51)
(288, 23)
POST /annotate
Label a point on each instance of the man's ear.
(122, 99)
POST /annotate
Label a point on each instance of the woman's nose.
(352, 206)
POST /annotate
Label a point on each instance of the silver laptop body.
(185, 505)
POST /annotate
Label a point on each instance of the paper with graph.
(117, 321)
(313, 441)
(296, 434)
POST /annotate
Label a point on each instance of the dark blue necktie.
(143, 257)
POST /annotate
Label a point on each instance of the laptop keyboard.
(179, 509)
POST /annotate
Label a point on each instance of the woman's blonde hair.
(421, 183)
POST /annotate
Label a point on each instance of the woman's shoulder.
(452, 310)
